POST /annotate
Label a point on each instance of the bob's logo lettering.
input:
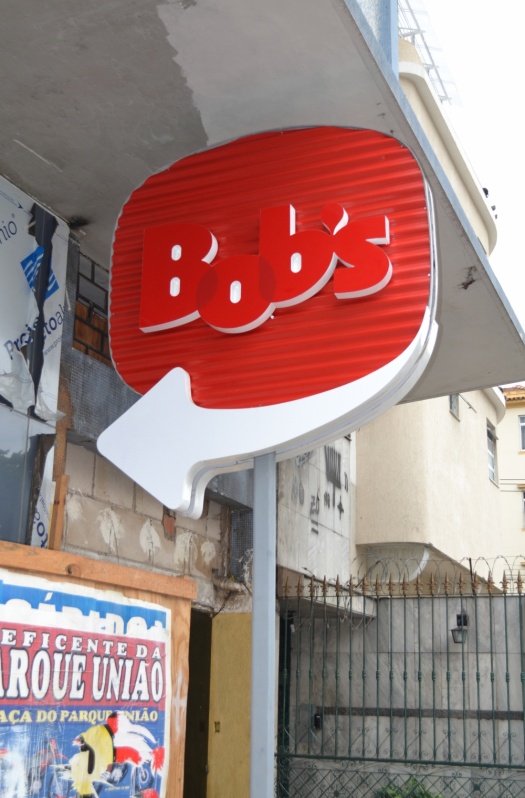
(180, 282)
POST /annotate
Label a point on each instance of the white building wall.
(423, 477)
(316, 511)
(431, 114)
(512, 471)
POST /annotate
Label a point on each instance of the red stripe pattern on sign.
(323, 342)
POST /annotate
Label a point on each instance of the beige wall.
(422, 477)
(431, 115)
(512, 478)
(230, 680)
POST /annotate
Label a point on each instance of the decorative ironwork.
(374, 690)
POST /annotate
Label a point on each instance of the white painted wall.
(315, 517)
(431, 114)
(512, 471)
(422, 477)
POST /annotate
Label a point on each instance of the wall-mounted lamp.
(459, 634)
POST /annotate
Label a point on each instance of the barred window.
(91, 311)
(521, 420)
(491, 450)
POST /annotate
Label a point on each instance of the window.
(453, 404)
(523, 509)
(91, 311)
(491, 450)
(521, 420)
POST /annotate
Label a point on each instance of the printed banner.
(84, 692)
(20, 259)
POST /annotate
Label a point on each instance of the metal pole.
(263, 628)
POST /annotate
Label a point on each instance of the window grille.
(91, 311)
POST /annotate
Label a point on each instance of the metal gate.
(392, 686)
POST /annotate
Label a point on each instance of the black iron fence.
(422, 674)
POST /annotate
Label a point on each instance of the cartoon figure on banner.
(117, 752)
(107, 752)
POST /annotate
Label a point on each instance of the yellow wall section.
(229, 748)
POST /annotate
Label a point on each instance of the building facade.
(511, 447)
(428, 475)
(160, 82)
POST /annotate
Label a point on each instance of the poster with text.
(84, 692)
(22, 253)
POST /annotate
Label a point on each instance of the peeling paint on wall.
(208, 551)
(149, 540)
(111, 528)
(74, 508)
(185, 547)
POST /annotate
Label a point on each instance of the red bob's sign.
(272, 268)
(180, 282)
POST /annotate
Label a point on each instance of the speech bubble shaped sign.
(276, 268)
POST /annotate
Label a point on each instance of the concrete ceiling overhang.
(97, 96)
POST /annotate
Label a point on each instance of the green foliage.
(410, 789)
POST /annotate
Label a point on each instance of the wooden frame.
(173, 593)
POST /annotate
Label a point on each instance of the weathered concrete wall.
(316, 511)
(97, 396)
(109, 516)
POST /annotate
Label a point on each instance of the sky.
(483, 48)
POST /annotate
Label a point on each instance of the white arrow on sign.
(172, 447)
